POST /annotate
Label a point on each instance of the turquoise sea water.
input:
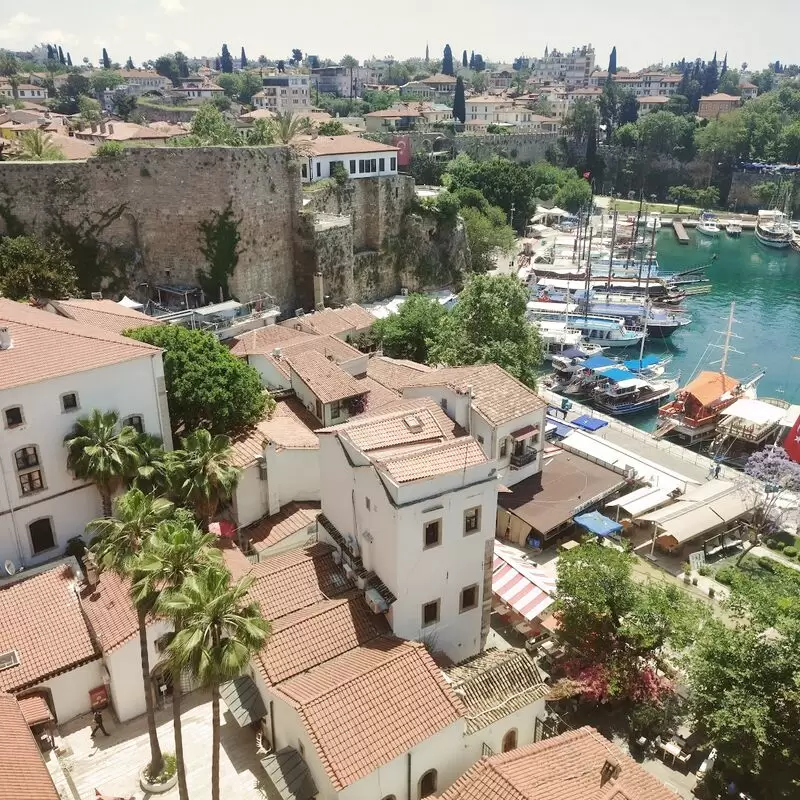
(765, 284)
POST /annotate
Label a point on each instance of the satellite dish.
(10, 567)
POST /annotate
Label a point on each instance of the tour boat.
(567, 364)
(588, 375)
(773, 229)
(734, 228)
(708, 226)
(621, 392)
(600, 330)
(557, 337)
(661, 324)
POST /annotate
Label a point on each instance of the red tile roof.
(311, 636)
(344, 145)
(48, 346)
(110, 612)
(23, 773)
(331, 347)
(262, 341)
(371, 704)
(437, 459)
(379, 396)
(395, 373)
(42, 621)
(328, 381)
(105, 314)
(35, 709)
(270, 531)
(566, 767)
(333, 321)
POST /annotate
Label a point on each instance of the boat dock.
(680, 231)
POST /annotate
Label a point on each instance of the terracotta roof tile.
(314, 635)
(110, 612)
(262, 341)
(437, 459)
(292, 518)
(379, 396)
(23, 773)
(333, 349)
(48, 346)
(343, 145)
(296, 579)
(394, 373)
(566, 767)
(328, 381)
(720, 97)
(371, 704)
(291, 427)
(333, 321)
(42, 621)
(35, 709)
(105, 314)
(496, 395)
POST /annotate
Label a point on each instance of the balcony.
(520, 460)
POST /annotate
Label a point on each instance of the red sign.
(791, 444)
(98, 697)
(403, 145)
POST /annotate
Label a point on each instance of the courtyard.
(111, 764)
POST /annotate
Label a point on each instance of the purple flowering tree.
(775, 476)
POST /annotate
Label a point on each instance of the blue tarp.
(647, 361)
(595, 522)
(561, 429)
(618, 375)
(589, 423)
(597, 362)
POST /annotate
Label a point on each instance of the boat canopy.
(572, 352)
(708, 387)
(596, 523)
(632, 383)
(641, 363)
(755, 411)
(598, 362)
(617, 375)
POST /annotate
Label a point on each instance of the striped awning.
(521, 586)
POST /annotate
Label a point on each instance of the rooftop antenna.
(726, 348)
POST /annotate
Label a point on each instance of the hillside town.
(397, 429)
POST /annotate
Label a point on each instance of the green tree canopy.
(488, 325)
(487, 233)
(574, 194)
(207, 387)
(332, 128)
(447, 61)
(32, 268)
(105, 79)
(225, 59)
(459, 103)
(582, 119)
(408, 333)
(36, 145)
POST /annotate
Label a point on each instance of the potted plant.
(165, 780)
(687, 571)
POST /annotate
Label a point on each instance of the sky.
(644, 33)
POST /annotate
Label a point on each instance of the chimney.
(6, 342)
(319, 297)
(610, 769)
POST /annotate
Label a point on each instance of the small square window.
(472, 519)
(69, 401)
(14, 416)
(480, 439)
(336, 410)
(469, 598)
(367, 503)
(433, 533)
(430, 613)
(504, 448)
(42, 536)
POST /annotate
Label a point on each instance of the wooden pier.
(680, 231)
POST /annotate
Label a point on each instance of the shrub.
(167, 771)
(766, 563)
(110, 150)
(724, 575)
(790, 551)
(771, 543)
(340, 174)
(687, 568)
(704, 570)
(780, 546)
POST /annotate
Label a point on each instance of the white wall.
(70, 690)
(325, 162)
(124, 667)
(271, 376)
(523, 720)
(132, 387)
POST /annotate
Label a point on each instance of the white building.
(54, 370)
(572, 68)
(642, 84)
(196, 90)
(284, 93)
(494, 110)
(359, 157)
(25, 91)
(143, 81)
(438, 88)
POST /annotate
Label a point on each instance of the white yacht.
(653, 221)
(773, 228)
(733, 228)
(708, 226)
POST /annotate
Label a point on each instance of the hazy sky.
(644, 33)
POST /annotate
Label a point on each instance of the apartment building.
(284, 94)
(572, 68)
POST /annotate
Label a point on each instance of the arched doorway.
(510, 740)
(161, 684)
(427, 783)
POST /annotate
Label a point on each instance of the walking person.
(98, 724)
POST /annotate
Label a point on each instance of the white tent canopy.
(755, 411)
(550, 213)
(641, 500)
(128, 303)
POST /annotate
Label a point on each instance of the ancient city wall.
(221, 217)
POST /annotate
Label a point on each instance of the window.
(42, 536)
(443, 403)
(135, 421)
(304, 170)
(382, 165)
(472, 519)
(430, 613)
(28, 471)
(319, 410)
(352, 166)
(433, 534)
(504, 448)
(336, 410)
(480, 439)
(469, 598)
(427, 784)
(367, 503)
(510, 740)
(14, 416)
(319, 169)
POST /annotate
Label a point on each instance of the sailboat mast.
(728, 334)
(611, 259)
(588, 277)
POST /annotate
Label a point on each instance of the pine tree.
(244, 59)
(69, 60)
(612, 61)
(129, 63)
(459, 101)
(447, 61)
(106, 59)
(61, 55)
(225, 60)
(464, 59)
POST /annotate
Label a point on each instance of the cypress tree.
(447, 61)
(69, 60)
(218, 65)
(612, 61)
(464, 59)
(61, 55)
(225, 60)
(106, 59)
(50, 53)
(244, 59)
(472, 60)
(459, 102)
(129, 63)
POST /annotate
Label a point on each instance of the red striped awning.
(524, 433)
(518, 591)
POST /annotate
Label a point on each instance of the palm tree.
(177, 550)
(98, 452)
(117, 549)
(152, 472)
(8, 69)
(204, 477)
(37, 146)
(288, 126)
(221, 630)
(351, 63)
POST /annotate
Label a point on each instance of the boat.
(566, 365)
(653, 221)
(733, 228)
(661, 324)
(599, 330)
(588, 375)
(796, 243)
(773, 229)
(651, 366)
(746, 426)
(708, 225)
(557, 337)
(621, 392)
(692, 417)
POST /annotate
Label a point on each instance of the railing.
(487, 751)
(522, 459)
